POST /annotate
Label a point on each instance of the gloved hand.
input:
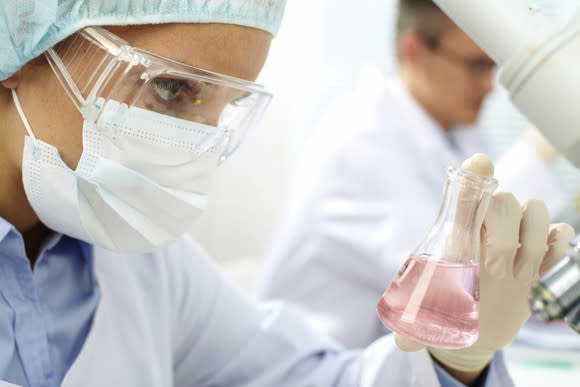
(518, 245)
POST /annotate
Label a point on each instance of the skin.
(440, 81)
(233, 50)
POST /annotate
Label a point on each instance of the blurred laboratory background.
(319, 54)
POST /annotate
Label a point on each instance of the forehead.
(224, 48)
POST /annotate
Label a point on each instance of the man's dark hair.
(423, 17)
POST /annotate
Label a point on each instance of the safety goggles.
(95, 66)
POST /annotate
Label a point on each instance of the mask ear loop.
(23, 117)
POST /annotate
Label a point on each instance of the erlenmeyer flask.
(434, 298)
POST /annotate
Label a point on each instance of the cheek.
(454, 80)
(68, 140)
(458, 89)
(444, 79)
(53, 117)
(56, 121)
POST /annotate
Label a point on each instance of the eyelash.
(168, 89)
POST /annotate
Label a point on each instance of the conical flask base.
(433, 302)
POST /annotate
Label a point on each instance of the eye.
(167, 88)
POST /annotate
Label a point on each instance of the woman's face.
(227, 49)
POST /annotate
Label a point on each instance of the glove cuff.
(465, 360)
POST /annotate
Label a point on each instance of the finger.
(406, 344)
(502, 224)
(559, 238)
(470, 192)
(533, 238)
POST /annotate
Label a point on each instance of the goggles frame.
(117, 65)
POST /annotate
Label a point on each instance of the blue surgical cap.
(30, 27)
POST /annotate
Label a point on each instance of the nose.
(487, 81)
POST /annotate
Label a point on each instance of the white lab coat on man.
(169, 319)
(367, 191)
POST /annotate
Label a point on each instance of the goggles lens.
(95, 66)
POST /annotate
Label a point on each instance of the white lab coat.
(169, 319)
(367, 191)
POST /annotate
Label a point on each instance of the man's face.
(456, 75)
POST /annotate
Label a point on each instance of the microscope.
(557, 294)
(538, 64)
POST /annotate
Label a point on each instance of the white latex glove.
(518, 245)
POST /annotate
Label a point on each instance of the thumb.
(472, 200)
(479, 164)
(470, 193)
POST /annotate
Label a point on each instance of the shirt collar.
(57, 239)
(7, 230)
(11, 242)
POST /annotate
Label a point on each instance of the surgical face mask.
(139, 184)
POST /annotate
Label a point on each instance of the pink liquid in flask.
(434, 302)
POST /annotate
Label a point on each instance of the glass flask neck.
(456, 234)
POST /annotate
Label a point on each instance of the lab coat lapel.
(120, 349)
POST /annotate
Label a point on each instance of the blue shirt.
(45, 314)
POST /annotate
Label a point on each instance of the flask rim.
(485, 183)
